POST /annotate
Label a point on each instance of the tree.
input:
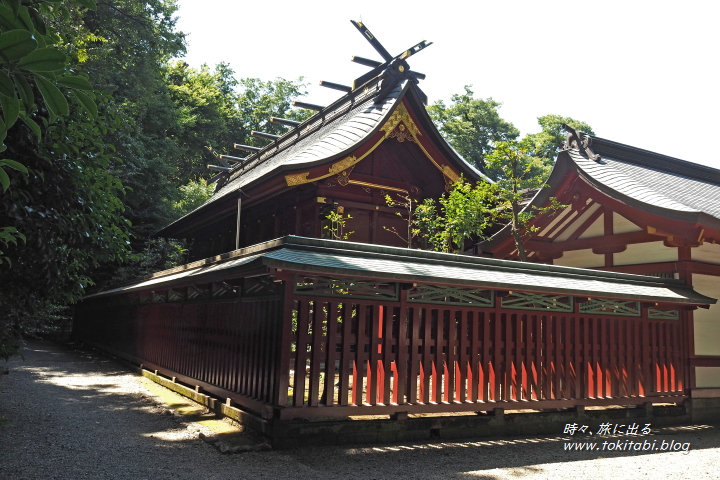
(520, 174)
(546, 143)
(64, 201)
(472, 125)
(125, 45)
(30, 63)
(205, 106)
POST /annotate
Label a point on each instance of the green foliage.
(48, 321)
(336, 227)
(460, 215)
(158, 254)
(259, 100)
(192, 195)
(472, 125)
(520, 174)
(204, 104)
(30, 61)
(63, 207)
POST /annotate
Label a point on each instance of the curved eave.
(423, 118)
(307, 143)
(691, 216)
(357, 260)
(557, 181)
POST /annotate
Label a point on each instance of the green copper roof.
(342, 258)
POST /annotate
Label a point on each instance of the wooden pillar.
(282, 377)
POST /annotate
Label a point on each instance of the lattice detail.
(345, 287)
(656, 314)
(194, 292)
(159, 297)
(176, 295)
(260, 286)
(451, 296)
(223, 289)
(536, 301)
(611, 307)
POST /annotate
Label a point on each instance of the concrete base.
(289, 434)
(705, 410)
(404, 427)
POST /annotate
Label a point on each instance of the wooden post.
(237, 228)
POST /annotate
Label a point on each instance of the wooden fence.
(328, 347)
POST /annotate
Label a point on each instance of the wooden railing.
(331, 348)
(366, 357)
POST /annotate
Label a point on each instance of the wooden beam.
(335, 86)
(309, 106)
(267, 136)
(219, 168)
(232, 159)
(284, 121)
(374, 64)
(247, 148)
(607, 243)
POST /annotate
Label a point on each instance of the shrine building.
(280, 315)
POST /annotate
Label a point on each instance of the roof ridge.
(639, 156)
(589, 166)
(355, 98)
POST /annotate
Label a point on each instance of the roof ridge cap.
(649, 158)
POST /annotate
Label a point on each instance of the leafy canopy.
(472, 125)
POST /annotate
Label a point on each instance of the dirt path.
(67, 414)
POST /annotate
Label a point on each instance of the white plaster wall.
(580, 258)
(597, 229)
(623, 225)
(650, 252)
(707, 321)
(577, 223)
(546, 231)
(707, 377)
(707, 252)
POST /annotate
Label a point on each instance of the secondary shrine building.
(635, 211)
(288, 323)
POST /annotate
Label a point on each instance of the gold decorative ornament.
(297, 179)
(342, 164)
(400, 115)
(400, 126)
(401, 134)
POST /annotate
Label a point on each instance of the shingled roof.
(650, 181)
(332, 257)
(330, 135)
(647, 181)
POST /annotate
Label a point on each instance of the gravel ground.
(68, 414)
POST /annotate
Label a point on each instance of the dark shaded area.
(70, 429)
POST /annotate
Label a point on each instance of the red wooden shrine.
(289, 324)
(634, 211)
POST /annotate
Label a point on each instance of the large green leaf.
(26, 92)
(4, 180)
(13, 164)
(7, 87)
(10, 110)
(54, 99)
(15, 4)
(32, 125)
(47, 59)
(87, 102)
(16, 44)
(8, 20)
(73, 81)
